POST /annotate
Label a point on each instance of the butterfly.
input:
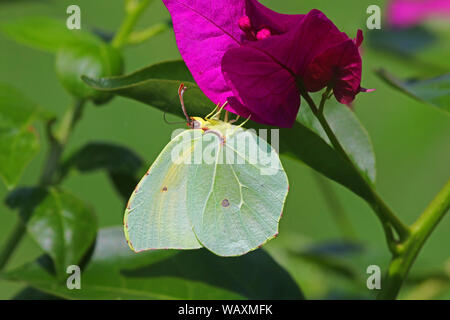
(215, 185)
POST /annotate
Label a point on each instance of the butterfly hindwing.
(235, 201)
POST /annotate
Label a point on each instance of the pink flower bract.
(244, 53)
(405, 13)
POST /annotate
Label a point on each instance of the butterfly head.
(198, 123)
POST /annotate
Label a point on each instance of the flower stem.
(385, 214)
(133, 13)
(57, 144)
(59, 141)
(141, 36)
(325, 97)
(382, 210)
(421, 230)
(410, 239)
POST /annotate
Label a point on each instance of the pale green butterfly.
(193, 196)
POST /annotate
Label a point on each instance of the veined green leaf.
(406, 41)
(101, 155)
(46, 33)
(333, 256)
(30, 293)
(115, 272)
(157, 85)
(74, 61)
(435, 91)
(62, 225)
(77, 53)
(122, 164)
(19, 141)
(350, 132)
(422, 47)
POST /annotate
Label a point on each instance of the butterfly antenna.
(181, 91)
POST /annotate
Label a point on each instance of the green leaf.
(435, 91)
(19, 141)
(421, 47)
(100, 155)
(333, 256)
(122, 164)
(46, 34)
(115, 272)
(78, 53)
(61, 224)
(405, 41)
(157, 86)
(350, 132)
(91, 60)
(30, 293)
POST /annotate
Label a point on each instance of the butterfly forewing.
(156, 215)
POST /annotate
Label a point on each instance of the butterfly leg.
(246, 120)
(217, 114)
(239, 126)
(234, 120)
(212, 112)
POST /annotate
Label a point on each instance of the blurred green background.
(411, 141)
